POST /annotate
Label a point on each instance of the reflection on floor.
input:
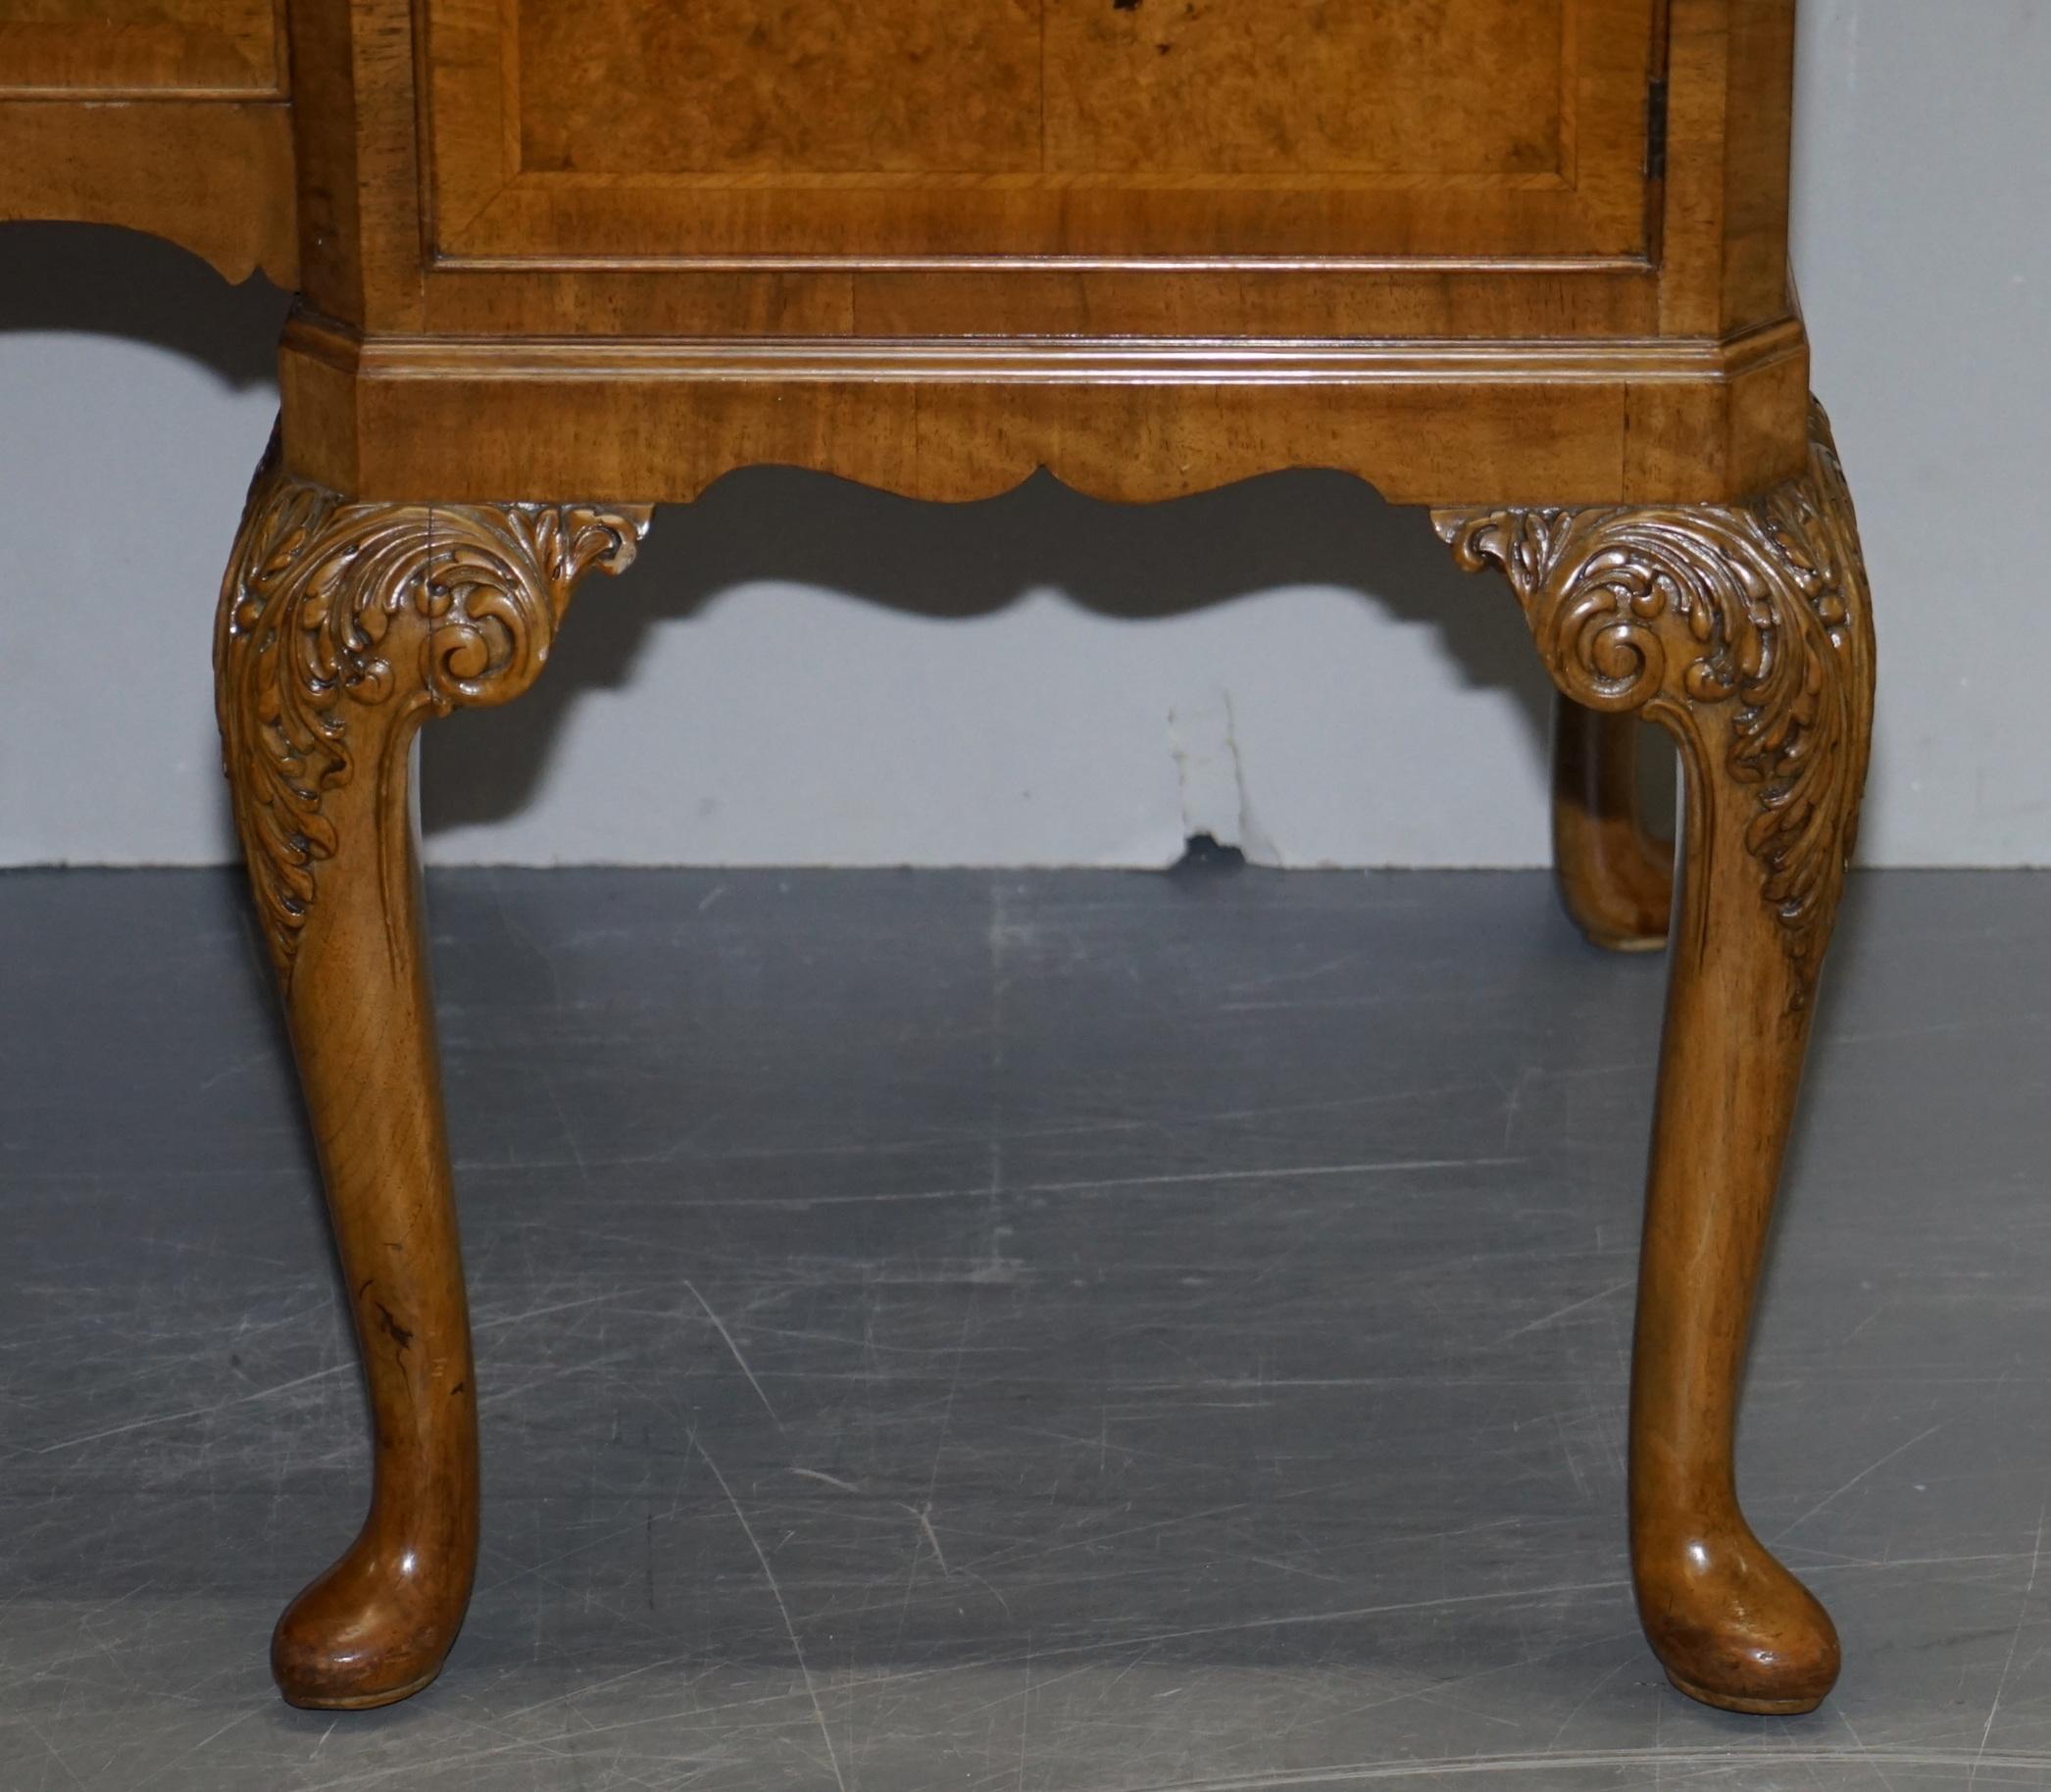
(1071, 1333)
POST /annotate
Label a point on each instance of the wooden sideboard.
(1521, 261)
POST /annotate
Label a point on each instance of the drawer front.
(142, 48)
(167, 115)
(866, 131)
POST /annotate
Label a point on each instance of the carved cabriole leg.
(342, 627)
(1744, 630)
(1615, 878)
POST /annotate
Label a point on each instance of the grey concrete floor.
(1077, 1332)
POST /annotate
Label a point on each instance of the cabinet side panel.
(356, 126)
(1731, 87)
(1758, 158)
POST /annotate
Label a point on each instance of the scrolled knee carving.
(1743, 629)
(342, 626)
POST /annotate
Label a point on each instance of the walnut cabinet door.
(691, 129)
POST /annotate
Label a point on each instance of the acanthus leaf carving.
(1743, 629)
(342, 624)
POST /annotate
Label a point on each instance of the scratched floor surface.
(1069, 1333)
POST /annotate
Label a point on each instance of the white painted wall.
(800, 673)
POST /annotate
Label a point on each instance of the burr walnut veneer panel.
(670, 128)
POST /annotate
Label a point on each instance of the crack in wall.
(1203, 739)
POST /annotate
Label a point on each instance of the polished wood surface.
(106, 48)
(1495, 129)
(341, 628)
(1616, 879)
(659, 421)
(166, 116)
(1520, 260)
(391, 158)
(1746, 633)
(212, 176)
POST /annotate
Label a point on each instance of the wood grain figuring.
(1162, 299)
(341, 628)
(1414, 87)
(354, 150)
(167, 47)
(214, 177)
(1424, 423)
(1289, 86)
(1746, 633)
(1274, 127)
(611, 255)
(1725, 232)
(779, 87)
(1616, 879)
